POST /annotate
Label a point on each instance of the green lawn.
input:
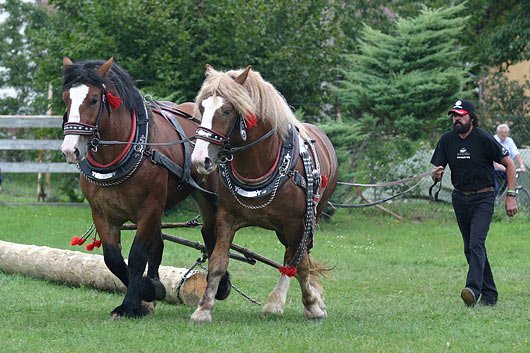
(395, 288)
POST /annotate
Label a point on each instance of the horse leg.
(147, 234)
(217, 265)
(312, 292)
(110, 240)
(208, 212)
(153, 289)
(276, 299)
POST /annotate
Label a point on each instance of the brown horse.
(134, 159)
(275, 173)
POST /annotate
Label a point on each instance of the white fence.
(34, 121)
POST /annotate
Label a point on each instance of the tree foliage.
(503, 101)
(498, 32)
(165, 45)
(403, 80)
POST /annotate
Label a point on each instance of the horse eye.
(94, 101)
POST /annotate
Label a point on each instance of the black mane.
(117, 79)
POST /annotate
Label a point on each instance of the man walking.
(470, 153)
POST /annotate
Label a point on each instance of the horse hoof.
(124, 311)
(315, 314)
(272, 309)
(223, 291)
(201, 317)
(153, 290)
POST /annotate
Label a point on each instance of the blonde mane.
(255, 96)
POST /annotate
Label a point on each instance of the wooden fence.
(34, 121)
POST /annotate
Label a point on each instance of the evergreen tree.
(396, 89)
(402, 81)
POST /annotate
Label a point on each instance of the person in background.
(507, 142)
(470, 153)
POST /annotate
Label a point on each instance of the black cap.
(462, 107)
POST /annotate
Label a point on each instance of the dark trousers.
(473, 214)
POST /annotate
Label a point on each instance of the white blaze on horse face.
(71, 142)
(202, 148)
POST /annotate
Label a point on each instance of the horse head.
(227, 113)
(88, 98)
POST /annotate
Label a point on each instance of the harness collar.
(125, 164)
(287, 156)
(258, 180)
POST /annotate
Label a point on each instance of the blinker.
(243, 129)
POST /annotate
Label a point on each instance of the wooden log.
(79, 269)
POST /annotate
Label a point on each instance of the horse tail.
(317, 269)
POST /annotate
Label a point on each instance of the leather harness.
(123, 169)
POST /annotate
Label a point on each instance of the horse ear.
(243, 76)
(208, 70)
(67, 62)
(104, 69)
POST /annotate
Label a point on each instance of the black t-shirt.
(471, 160)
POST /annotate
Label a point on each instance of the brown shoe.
(468, 297)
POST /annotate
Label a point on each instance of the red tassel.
(97, 243)
(251, 120)
(114, 101)
(323, 181)
(288, 271)
(90, 246)
(76, 241)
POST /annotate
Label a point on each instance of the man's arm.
(511, 202)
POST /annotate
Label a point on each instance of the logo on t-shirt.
(463, 154)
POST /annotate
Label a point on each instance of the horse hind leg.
(217, 266)
(276, 299)
(312, 292)
(208, 211)
(152, 288)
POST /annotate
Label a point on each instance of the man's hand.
(511, 206)
(437, 173)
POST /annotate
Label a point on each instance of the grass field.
(395, 288)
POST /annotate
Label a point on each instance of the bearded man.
(470, 153)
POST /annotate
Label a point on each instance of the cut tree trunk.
(79, 269)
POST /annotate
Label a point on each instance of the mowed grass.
(395, 288)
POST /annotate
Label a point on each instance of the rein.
(435, 197)
(391, 183)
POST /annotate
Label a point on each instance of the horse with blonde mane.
(274, 172)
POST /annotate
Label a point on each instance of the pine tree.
(404, 80)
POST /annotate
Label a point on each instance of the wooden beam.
(16, 144)
(35, 167)
(31, 121)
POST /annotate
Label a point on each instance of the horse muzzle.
(71, 149)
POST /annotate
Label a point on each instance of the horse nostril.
(207, 163)
(76, 152)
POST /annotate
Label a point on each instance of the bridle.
(83, 129)
(226, 152)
